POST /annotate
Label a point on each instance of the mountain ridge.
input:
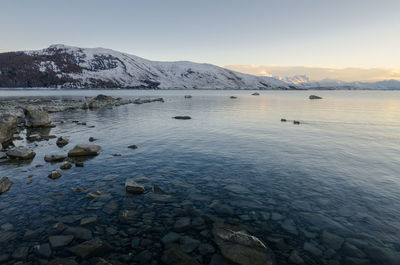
(65, 66)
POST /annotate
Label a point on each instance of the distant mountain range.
(72, 67)
(61, 66)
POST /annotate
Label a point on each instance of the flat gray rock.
(21, 153)
(84, 150)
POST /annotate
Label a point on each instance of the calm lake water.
(336, 172)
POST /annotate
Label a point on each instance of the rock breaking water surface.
(322, 192)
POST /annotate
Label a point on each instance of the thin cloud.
(348, 74)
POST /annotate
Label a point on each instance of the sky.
(356, 39)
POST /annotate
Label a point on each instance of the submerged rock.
(92, 248)
(54, 175)
(79, 164)
(21, 153)
(54, 158)
(182, 117)
(173, 256)
(241, 248)
(5, 184)
(8, 126)
(132, 187)
(314, 97)
(36, 118)
(60, 241)
(43, 250)
(61, 141)
(84, 150)
(132, 146)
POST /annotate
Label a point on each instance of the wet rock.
(84, 150)
(79, 233)
(21, 153)
(7, 236)
(93, 194)
(283, 120)
(255, 94)
(42, 250)
(314, 97)
(188, 244)
(182, 224)
(111, 207)
(171, 237)
(296, 122)
(89, 220)
(295, 258)
(311, 248)
(206, 249)
(331, 240)
(290, 226)
(219, 260)
(36, 118)
(54, 175)
(239, 247)
(84, 105)
(62, 141)
(20, 253)
(144, 257)
(5, 184)
(3, 155)
(222, 208)
(79, 164)
(182, 117)
(30, 234)
(132, 146)
(91, 248)
(381, 255)
(54, 158)
(65, 165)
(92, 139)
(8, 126)
(352, 251)
(173, 256)
(128, 216)
(60, 241)
(63, 261)
(188, 96)
(94, 105)
(233, 97)
(158, 190)
(132, 187)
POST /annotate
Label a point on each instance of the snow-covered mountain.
(337, 85)
(294, 80)
(73, 67)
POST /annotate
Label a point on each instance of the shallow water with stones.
(338, 172)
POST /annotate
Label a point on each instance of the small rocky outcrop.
(182, 117)
(54, 175)
(188, 96)
(54, 158)
(62, 141)
(314, 97)
(233, 97)
(8, 126)
(255, 94)
(90, 248)
(65, 165)
(132, 187)
(241, 248)
(133, 146)
(36, 118)
(84, 150)
(5, 184)
(21, 153)
(94, 105)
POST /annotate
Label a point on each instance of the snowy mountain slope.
(65, 66)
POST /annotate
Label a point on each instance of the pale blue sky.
(332, 33)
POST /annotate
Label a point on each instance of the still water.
(331, 182)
